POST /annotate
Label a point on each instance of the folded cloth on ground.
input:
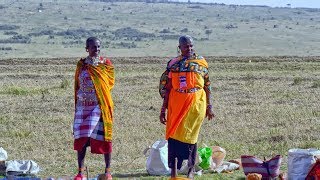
(225, 167)
(22, 167)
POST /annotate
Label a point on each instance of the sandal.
(80, 176)
(108, 176)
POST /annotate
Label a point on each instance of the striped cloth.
(96, 88)
(87, 119)
(269, 168)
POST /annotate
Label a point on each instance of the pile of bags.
(209, 158)
(212, 160)
(302, 163)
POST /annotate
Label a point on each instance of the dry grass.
(264, 106)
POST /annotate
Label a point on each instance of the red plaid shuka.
(94, 80)
(87, 121)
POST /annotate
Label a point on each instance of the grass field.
(264, 106)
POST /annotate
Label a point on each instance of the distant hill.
(174, 2)
(151, 28)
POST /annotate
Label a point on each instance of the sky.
(272, 3)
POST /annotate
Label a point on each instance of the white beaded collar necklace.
(92, 61)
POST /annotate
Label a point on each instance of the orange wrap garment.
(186, 111)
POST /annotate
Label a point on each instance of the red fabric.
(314, 172)
(97, 147)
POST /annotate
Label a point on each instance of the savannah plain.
(264, 67)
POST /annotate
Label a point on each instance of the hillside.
(57, 28)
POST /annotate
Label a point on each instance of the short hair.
(91, 39)
(185, 39)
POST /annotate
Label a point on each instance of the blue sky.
(272, 3)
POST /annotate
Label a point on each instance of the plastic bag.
(300, 161)
(205, 156)
(22, 167)
(226, 167)
(218, 155)
(157, 161)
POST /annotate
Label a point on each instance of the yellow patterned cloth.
(102, 76)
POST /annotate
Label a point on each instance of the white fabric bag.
(157, 161)
(300, 161)
(22, 167)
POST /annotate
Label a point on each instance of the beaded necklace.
(94, 61)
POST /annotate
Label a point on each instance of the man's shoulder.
(81, 61)
(105, 60)
(173, 61)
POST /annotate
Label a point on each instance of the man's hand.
(163, 118)
(209, 114)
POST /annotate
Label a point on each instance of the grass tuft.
(316, 113)
(22, 134)
(309, 144)
(297, 81)
(316, 84)
(18, 91)
(64, 84)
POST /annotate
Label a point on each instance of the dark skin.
(186, 49)
(93, 50)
